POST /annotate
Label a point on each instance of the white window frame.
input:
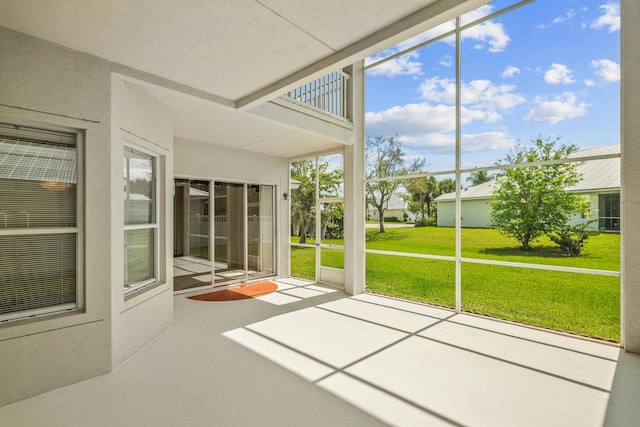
(78, 231)
(154, 225)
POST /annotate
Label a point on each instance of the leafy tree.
(479, 177)
(422, 190)
(384, 159)
(413, 206)
(531, 201)
(333, 221)
(303, 199)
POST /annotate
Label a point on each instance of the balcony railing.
(327, 94)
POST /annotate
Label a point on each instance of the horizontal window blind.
(38, 221)
(37, 271)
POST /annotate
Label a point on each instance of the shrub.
(571, 239)
(391, 219)
(426, 222)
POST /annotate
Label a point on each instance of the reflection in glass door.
(238, 221)
(229, 237)
(192, 257)
(260, 230)
(244, 232)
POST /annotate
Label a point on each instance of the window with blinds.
(140, 220)
(39, 230)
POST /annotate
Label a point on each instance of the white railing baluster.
(327, 93)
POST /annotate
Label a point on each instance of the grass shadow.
(377, 236)
(548, 252)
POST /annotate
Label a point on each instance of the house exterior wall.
(45, 85)
(209, 161)
(48, 86)
(476, 212)
(140, 121)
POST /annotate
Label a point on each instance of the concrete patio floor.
(308, 355)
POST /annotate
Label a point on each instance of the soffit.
(199, 120)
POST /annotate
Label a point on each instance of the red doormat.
(244, 292)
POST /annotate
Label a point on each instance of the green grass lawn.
(580, 303)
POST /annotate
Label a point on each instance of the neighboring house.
(396, 207)
(600, 185)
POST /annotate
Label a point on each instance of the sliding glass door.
(229, 234)
(192, 231)
(244, 231)
(260, 230)
(222, 237)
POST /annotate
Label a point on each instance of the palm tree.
(423, 190)
(447, 185)
(479, 177)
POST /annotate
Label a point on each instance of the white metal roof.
(597, 175)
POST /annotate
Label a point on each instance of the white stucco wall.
(200, 160)
(42, 84)
(142, 122)
(354, 189)
(45, 85)
(630, 192)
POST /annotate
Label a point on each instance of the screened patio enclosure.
(224, 236)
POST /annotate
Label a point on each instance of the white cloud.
(487, 141)
(610, 18)
(403, 65)
(438, 89)
(446, 61)
(411, 119)
(426, 127)
(559, 108)
(439, 143)
(607, 69)
(570, 14)
(489, 35)
(477, 93)
(560, 19)
(589, 83)
(510, 71)
(558, 74)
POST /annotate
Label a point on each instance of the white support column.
(630, 186)
(354, 198)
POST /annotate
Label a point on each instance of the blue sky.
(549, 68)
